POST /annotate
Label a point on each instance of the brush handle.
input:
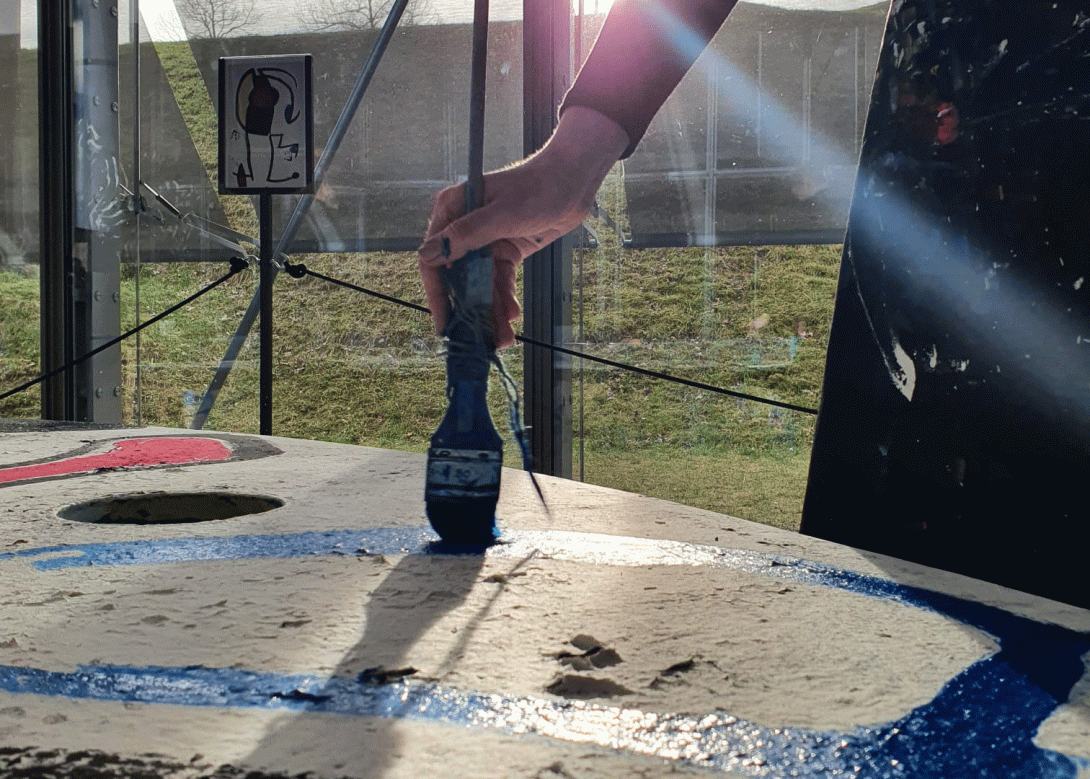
(478, 68)
(465, 458)
(466, 452)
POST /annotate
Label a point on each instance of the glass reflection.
(19, 328)
(346, 364)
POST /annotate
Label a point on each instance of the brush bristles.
(464, 522)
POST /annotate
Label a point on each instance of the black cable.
(237, 266)
(299, 270)
(667, 376)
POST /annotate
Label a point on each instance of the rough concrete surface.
(586, 644)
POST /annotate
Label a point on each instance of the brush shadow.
(421, 589)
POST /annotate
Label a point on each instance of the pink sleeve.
(643, 51)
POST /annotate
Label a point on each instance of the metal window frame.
(80, 272)
(547, 275)
(56, 181)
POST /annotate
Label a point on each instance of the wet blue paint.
(943, 739)
(245, 547)
(980, 725)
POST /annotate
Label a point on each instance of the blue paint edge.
(915, 746)
(993, 708)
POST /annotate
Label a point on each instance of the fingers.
(505, 334)
(475, 230)
(505, 305)
(448, 205)
(515, 209)
(452, 234)
(436, 295)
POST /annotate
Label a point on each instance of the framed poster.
(266, 127)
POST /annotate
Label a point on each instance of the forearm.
(642, 53)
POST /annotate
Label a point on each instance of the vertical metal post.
(134, 39)
(266, 330)
(711, 192)
(99, 211)
(760, 89)
(711, 151)
(856, 124)
(808, 105)
(10, 21)
(55, 203)
(547, 278)
(137, 198)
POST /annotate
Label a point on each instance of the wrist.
(586, 140)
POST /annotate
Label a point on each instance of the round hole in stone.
(168, 508)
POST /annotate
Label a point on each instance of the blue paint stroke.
(245, 547)
(919, 745)
(981, 724)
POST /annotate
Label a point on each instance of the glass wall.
(714, 258)
(19, 334)
(713, 255)
(759, 143)
(348, 367)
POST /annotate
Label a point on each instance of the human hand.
(527, 206)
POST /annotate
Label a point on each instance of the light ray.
(1014, 325)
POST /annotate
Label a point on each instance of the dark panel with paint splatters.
(955, 419)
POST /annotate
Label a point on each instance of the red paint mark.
(133, 453)
(948, 120)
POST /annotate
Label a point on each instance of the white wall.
(9, 18)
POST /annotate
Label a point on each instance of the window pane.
(19, 336)
(759, 142)
(348, 367)
(714, 259)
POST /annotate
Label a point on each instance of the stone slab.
(614, 635)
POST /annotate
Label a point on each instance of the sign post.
(266, 147)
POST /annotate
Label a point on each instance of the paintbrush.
(465, 457)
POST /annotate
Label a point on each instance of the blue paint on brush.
(465, 454)
(981, 724)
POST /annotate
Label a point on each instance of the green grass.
(353, 369)
(19, 344)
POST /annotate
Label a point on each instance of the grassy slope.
(19, 346)
(353, 369)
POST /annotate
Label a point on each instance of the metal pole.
(267, 275)
(80, 212)
(301, 208)
(99, 212)
(56, 232)
(547, 275)
(134, 12)
(137, 197)
(475, 181)
(711, 150)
